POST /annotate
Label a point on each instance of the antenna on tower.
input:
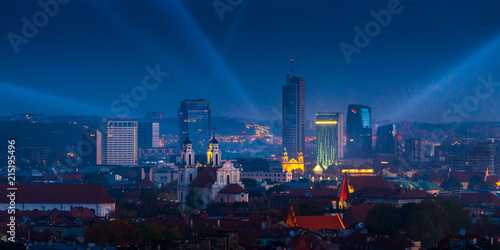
(291, 66)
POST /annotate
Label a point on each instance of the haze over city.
(427, 58)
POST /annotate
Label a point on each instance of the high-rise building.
(148, 135)
(154, 115)
(418, 149)
(195, 118)
(119, 141)
(387, 139)
(294, 115)
(481, 156)
(91, 147)
(359, 132)
(329, 135)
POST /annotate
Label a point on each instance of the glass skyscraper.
(195, 118)
(294, 115)
(329, 136)
(387, 139)
(359, 132)
(148, 135)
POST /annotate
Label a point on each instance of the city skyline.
(413, 62)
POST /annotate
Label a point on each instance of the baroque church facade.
(216, 182)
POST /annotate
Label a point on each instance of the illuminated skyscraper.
(329, 134)
(359, 132)
(119, 141)
(195, 118)
(294, 115)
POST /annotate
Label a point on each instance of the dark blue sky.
(426, 60)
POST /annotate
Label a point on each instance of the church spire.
(344, 195)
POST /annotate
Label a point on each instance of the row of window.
(265, 175)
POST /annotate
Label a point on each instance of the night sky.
(428, 58)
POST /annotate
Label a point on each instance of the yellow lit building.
(293, 165)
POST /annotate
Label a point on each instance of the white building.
(41, 197)
(212, 179)
(119, 141)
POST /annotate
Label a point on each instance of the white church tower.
(187, 170)
(214, 153)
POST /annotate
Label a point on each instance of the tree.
(383, 220)
(436, 178)
(153, 233)
(193, 199)
(476, 183)
(308, 208)
(429, 220)
(276, 188)
(117, 232)
(249, 182)
(451, 183)
(94, 177)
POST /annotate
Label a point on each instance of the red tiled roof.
(232, 189)
(309, 192)
(320, 222)
(388, 193)
(496, 214)
(146, 184)
(356, 214)
(477, 199)
(493, 178)
(360, 182)
(57, 193)
(205, 178)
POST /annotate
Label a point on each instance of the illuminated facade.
(359, 132)
(119, 141)
(195, 118)
(293, 165)
(214, 153)
(329, 135)
(358, 172)
(216, 182)
(294, 115)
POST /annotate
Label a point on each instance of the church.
(216, 182)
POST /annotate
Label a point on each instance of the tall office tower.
(417, 149)
(154, 115)
(195, 118)
(329, 134)
(294, 115)
(119, 141)
(387, 139)
(480, 157)
(359, 132)
(91, 147)
(148, 135)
